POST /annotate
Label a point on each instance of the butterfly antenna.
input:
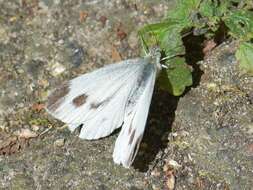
(150, 34)
(172, 56)
(169, 57)
(143, 43)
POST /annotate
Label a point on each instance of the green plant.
(201, 17)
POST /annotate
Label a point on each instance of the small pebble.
(57, 69)
(154, 187)
(25, 133)
(170, 182)
(133, 40)
(155, 173)
(59, 142)
(35, 127)
(103, 20)
(174, 164)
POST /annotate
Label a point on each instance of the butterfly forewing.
(97, 99)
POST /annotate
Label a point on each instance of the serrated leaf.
(152, 33)
(167, 35)
(213, 9)
(171, 41)
(246, 4)
(207, 8)
(184, 11)
(211, 12)
(177, 77)
(244, 55)
(240, 23)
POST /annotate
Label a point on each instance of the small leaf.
(184, 11)
(167, 35)
(213, 9)
(177, 77)
(171, 41)
(244, 55)
(150, 34)
(240, 23)
(207, 8)
(211, 13)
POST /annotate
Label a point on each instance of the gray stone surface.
(213, 126)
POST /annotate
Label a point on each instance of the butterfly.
(114, 96)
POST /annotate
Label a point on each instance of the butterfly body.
(117, 95)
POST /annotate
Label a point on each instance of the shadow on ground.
(161, 117)
(164, 105)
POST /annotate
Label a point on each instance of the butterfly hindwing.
(128, 141)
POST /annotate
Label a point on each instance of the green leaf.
(240, 23)
(244, 55)
(213, 9)
(245, 4)
(207, 8)
(167, 35)
(177, 77)
(151, 34)
(171, 41)
(184, 11)
(211, 13)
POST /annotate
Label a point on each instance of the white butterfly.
(117, 95)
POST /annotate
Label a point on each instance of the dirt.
(201, 140)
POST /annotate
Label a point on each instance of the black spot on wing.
(56, 98)
(103, 120)
(131, 137)
(131, 125)
(80, 100)
(143, 78)
(96, 105)
(140, 85)
(78, 129)
(135, 150)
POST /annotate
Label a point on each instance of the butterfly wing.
(96, 100)
(128, 141)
